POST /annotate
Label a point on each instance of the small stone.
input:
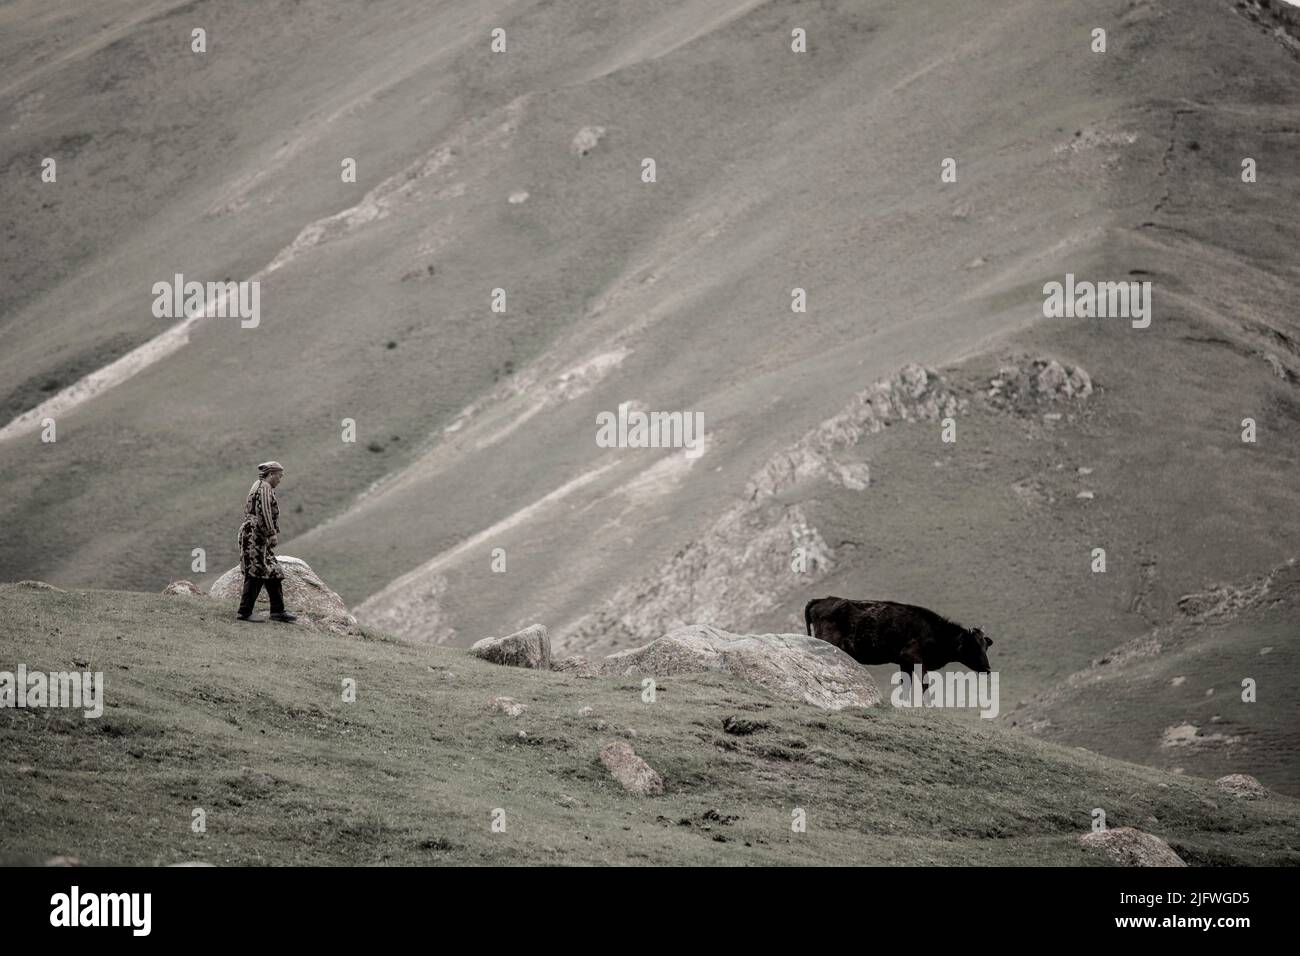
(508, 706)
(183, 588)
(576, 665)
(586, 139)
(635, 775)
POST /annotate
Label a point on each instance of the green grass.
(247, 723)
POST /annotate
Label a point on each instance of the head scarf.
(266, 467)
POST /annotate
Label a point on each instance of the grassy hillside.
(247, 723)
(1173, 697)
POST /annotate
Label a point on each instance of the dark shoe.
(285, 617)
(247, 619)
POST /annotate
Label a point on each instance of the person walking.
(258, 536)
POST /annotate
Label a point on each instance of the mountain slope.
(812, 171)
(776, 170)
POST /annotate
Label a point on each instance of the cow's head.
(973, 649)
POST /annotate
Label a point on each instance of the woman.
(257, 536)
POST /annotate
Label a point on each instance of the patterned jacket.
(261, 521)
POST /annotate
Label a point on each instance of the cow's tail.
(807, 616)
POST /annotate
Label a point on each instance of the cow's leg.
(909, 667)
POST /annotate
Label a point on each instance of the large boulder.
(1126, 846)
(791, 666)
(530, 647)
(305, 594)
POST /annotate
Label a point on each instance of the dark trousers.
(253, 587)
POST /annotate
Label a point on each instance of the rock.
(577, 665)
(508, 706)
(1129, 847)
(1242, 785)
(586, 712)
(631, 771)
(1052, 377)
(1227, 601)
(530, 647)
(791, 666)
(1037, 380)
(40, 586)
(742, 726)
(183, 588)
(63, 861)
(714, 577)
(305, 594)
(192, 863)
(586, 139)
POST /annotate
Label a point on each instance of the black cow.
(885, 632)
